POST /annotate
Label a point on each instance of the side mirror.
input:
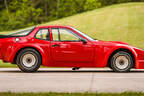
(83, 40)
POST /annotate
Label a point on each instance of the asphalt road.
(66, 80)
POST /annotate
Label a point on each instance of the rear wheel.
(121, 62)
(28, 60)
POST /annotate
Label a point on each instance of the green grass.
(122, 22)
(7, 65)
(72, 94)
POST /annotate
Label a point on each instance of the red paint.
(94, 53)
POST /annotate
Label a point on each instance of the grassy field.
(122, 22)
(72, 94)
(8, 65)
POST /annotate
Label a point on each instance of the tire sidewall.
(24, 68)
(115, 56)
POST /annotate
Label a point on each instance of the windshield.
(22, 32)
(88, 37)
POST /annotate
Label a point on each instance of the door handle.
(55, 45)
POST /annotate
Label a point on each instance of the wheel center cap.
(28, 60)
(121, 62)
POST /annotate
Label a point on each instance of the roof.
(42, 26)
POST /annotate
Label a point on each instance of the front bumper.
(140, 58)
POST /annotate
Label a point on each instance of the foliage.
(15, 14)
(19, 14)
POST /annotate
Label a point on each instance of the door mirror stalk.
(84, 40)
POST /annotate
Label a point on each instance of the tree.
(91, 4)
(16, 14)
(21, 14)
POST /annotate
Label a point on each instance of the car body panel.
(95, 53)
(104, 50)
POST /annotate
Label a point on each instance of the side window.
(43, 34)
(66, 35)
(55, 34)
(63, 34)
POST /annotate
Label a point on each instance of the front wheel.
(121, 62)
(28, 60)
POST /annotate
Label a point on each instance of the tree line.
(15, 14)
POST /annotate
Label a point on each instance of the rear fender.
(14, 51)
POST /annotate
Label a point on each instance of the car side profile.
(64, 46)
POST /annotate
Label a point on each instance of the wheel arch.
(121, 49)
(15, 56)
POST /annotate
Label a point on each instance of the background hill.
(122, 22)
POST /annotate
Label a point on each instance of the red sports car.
(63, 46)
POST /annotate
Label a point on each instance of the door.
(67, 47)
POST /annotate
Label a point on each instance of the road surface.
(66, 80)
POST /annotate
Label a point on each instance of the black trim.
(71, 41)
(6, 36)
(59, 35)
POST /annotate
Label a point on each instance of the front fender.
(108, 50)
(140, 56)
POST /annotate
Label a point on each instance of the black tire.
(28, 60)
(121, 62)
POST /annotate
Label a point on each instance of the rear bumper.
(0, 51)
(5, 48)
